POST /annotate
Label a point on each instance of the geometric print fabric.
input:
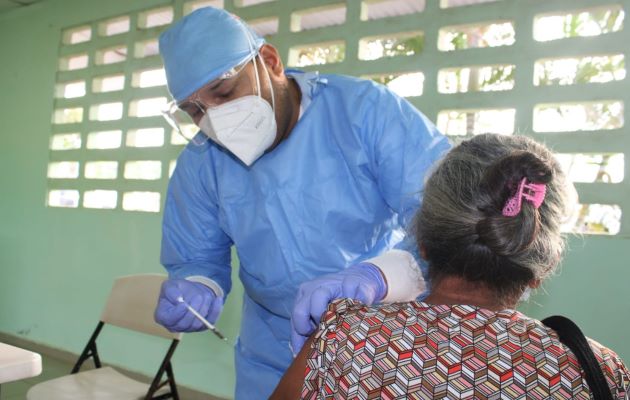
(419, 351)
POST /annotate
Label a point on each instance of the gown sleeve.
(402, 146)
(194, 247)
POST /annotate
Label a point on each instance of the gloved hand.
(363, 282)
(175, 316)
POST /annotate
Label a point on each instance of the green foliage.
(500, 74)
(607, 20)
(384, 79)
(336, 53)
(322, 55)
(610, 117)
(588, 70)
(594, 68)
(460, 41)
(402, 46)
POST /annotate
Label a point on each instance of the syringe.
(202, 319)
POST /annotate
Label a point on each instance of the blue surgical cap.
(202, 46)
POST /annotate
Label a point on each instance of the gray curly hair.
(461, 226)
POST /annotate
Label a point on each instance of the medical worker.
(307, 175)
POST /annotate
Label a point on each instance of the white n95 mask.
(245, 126)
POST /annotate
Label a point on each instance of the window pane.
(77, 35)
(371, 9)
(400, 44)
(104, 140)
(149, 78)
(101, 169)
(195, 5)
(485, 78)
(147, 107)
(108, 83)
(68, 115)
(157, 17)
(466, 122)
(146, 170)
(63, 198)
(146, 48)
(318, 17)
(602, 219)
(71, 90)
(405, 85)
(106, 112)
(247, 3)
(71, 63)
(146, 137)
(607, 168)
(264, 26)
(569, 71)
(63, 170)
(317, 54)
(141, 201)
(65, 141)
(570, 117)
(112, 55)
(105, 199)
(594, 22)
(460, 3)
(476, 36)
(114, 26)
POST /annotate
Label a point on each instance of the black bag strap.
(572, 337)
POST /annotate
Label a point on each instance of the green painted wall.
(592, 289)
(57, 265)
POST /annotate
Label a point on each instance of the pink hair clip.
(532, 192)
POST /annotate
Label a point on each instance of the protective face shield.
(245, 126)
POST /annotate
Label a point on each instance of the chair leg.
(157, 383)
(171, 381)
(163, 397)
(89, 350)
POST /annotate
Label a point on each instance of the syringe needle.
(202, 319)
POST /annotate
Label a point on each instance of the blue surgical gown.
(340, 189)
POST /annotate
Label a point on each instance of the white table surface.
(17, 363)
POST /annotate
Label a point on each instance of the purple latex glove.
(175, 316)
(363, 282)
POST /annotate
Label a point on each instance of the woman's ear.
(272, 60)
(423, 251)
(534, 284)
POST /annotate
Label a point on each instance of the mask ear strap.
(250, 42)
(273, 100)
(257, 79)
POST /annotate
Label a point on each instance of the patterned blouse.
(421, 351)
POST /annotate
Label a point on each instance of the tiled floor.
(51, 368)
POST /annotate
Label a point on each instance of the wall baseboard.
(71, 358)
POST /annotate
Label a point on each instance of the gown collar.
(309, 83)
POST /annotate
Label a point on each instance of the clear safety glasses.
(184, 116)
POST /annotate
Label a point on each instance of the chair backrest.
(131, 304)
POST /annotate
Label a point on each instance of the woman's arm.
(290, 386)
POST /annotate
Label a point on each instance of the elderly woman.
(489, 228)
